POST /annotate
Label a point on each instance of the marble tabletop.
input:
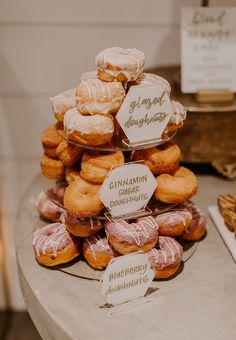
(199, 303)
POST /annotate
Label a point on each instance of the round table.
(199, 303)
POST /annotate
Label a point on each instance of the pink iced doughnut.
(53, 245)
(97, 251)
(130, 237)
(167, 258)
(47, 209)
(174, 222)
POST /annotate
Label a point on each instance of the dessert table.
(199, 303)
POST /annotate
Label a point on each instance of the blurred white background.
(45, 46)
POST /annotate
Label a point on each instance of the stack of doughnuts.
(75, 155)
(90, 116)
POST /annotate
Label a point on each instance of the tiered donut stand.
(74, 167)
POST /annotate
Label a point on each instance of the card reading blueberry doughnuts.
(126, 278)
(145, 113)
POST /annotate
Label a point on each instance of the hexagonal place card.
(127, 188)
(144, 113)
(126, 278)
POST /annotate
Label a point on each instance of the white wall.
(45, 46)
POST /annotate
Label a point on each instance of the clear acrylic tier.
(154, 207)
(120, 143)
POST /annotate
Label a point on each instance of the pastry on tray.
(227, 207)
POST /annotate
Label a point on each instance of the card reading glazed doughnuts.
(145, 113)
(127, 189)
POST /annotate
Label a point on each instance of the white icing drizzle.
(147, 79)
(64, 101)
(42, 241)
(99, 124)
(97, 241)
(129, 61)
(170, 252)
(91, 222)
(179, 113)
(96, 96)
(134, 230)
(173, 217)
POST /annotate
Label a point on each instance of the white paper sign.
(208, 48)
(144, 113)
(126, 278)
(127, 188)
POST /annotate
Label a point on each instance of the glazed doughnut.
(98, 97)
(177, 187)
(82, 199)
(95, 166)
(88, 75)
(53, 245)
(130, 237)
(98, 252)
(147, 79)
(50, 141)
(167, 258)
(178, 117)
(48, 209)
(62, 103)
(81, 227)
(72, 174)
(88, 130)
(52, 168)
(174, 222)
(68, 153)
(197, 228)
(162, 159)
(120, 64)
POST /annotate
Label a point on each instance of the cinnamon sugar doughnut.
(98, 97)
(147, 79)
(95, 166)
(82, 199)
(81, 227)
(197, 228)
(167, 258)
(68, 153)
(62, 103)
(98, 252)
(53, 245)
(130, 237)
(176, 187)
(120, 64)
(50, 141)
(174, 222)
(48, 209)
(72, 174)
(52, 168)
(164, 158)
(88, 130)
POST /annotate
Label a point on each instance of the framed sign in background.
(208, 48)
